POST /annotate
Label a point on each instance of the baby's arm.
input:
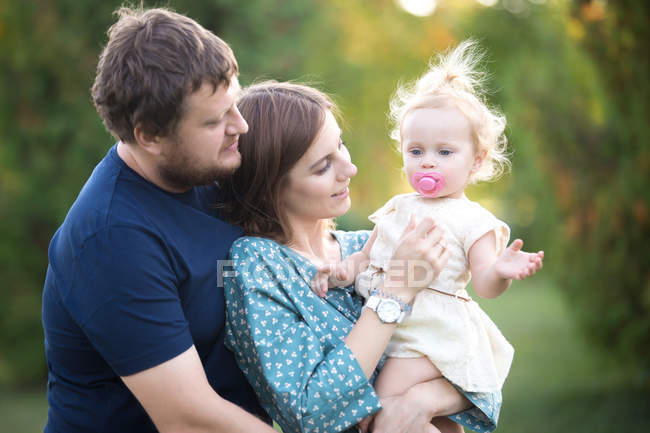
(345, 272)
(492, 274)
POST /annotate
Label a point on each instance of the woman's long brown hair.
(284, 119)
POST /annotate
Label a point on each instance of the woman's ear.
(148, 142)
(478, 160)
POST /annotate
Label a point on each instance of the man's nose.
(238, 125)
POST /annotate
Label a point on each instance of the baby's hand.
(329, 276)
(516, 264)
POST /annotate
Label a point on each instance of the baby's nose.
(427, 163)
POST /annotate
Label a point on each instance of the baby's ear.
(478, 160)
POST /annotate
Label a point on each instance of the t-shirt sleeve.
(126, 299)
(305, 386)
(481, 221)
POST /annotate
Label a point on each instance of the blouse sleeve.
(304, 384)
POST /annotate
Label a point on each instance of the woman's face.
(317, 186)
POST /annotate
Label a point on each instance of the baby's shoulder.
(465, 208)
(404, 199)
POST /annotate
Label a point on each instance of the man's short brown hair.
(153, 59)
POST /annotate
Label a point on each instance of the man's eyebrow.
(223, 112)
(236, 90)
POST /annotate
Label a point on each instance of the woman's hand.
(413, 410)
(399, 414)
(420, 255)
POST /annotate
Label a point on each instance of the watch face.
(388, 310)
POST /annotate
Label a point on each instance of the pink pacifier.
(428, 184)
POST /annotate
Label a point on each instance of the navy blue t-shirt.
(133, 281)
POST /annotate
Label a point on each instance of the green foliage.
(571, 79)
(574, 87)
(50, 139)
(608, 208)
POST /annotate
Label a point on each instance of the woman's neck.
(312, 240)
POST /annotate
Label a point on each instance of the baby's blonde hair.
(455, 80)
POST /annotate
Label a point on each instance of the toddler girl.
(449, 138)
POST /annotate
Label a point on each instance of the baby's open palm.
(516, 264)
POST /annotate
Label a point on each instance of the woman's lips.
(342, 194)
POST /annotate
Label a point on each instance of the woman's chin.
(343, 208)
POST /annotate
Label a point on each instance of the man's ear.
(478, 160)
(148, 142)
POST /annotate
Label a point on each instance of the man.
(132, 312)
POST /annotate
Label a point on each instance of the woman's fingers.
(423, 228)
(409, 227)
(370, 242)
(364, 424)
(435, 236)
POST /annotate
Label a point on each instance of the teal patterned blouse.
(290, 343)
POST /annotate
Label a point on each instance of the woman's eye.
(325, 168)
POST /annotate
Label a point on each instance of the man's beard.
(183, 172)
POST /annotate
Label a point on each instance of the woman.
(312, 360)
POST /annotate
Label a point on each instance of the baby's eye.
(416, 152)
(444, 152)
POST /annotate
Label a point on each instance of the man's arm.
(178, 398)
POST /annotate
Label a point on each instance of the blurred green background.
(570, 75)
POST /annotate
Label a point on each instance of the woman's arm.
(278, 329)
(418, 258)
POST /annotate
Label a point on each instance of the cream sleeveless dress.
(445, 325)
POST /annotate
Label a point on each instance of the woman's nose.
(348, 170)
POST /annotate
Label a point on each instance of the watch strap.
(377, 297)
(404, 306)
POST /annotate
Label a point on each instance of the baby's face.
(439, 140)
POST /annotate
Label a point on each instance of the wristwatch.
(389, 308)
